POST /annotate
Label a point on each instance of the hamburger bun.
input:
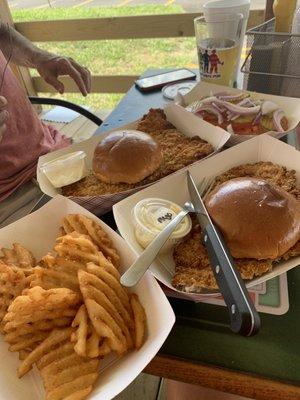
(257, 219)
(126, 156)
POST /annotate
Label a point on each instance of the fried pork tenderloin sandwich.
(126, 156)
(258, 220)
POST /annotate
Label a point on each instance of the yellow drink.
(284, 14)
(217, 60)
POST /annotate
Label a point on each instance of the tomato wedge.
(247, 128)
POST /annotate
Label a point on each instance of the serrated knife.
(244, 318)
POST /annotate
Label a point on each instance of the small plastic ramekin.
(160, 213)
(66, 169)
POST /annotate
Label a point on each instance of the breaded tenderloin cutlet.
(272, 173)
(178, 152)
(154, 120)
(192, 266)
(193, 271)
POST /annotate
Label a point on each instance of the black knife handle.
(244, 318)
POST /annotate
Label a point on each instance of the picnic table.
(201, 349)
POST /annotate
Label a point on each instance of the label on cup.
(217, 60)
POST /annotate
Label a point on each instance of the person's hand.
(50, 67)
(3, 116)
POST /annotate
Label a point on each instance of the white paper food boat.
(37, 232)
(174, 188)
(187, 123)
(290, 106)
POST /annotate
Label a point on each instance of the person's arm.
(24, 52)
(49, 66)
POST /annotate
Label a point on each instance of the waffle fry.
(111, 281)
(97, 346)
(12, 283)
(84, 225)
(27, 271)
(18, 256)
(104, 263)
(77, 375)
(48, 278)
(75, 246)
(56, 350)
(32, 316)
(55, 337)
(30, 341)
(57, 272)
(74, 251)
(70, 310)
(80, 335)
(104, 348)
(90, 281)
(112, 312)
(106, 326)
(139, 320)
(87, 341)
(62, 264)
(23, 354)
(65, 374)
(92, 287)
(31, 328)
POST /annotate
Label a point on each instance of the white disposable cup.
(213, 8)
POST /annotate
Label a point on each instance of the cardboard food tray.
(174, 188)
(37, 232)
(290, 106)
(187, 123)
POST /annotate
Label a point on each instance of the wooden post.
(269, 10)
(22, 73)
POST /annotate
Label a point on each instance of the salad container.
(289, 105)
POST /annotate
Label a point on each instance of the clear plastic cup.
(217, 39)
(66, 169)
(150, 218)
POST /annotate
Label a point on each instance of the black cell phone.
(160, 80)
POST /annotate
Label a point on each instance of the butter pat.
(152, 215)
(66, 169)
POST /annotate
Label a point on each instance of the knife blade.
(244, 318)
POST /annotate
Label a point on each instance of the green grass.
(92, 12)
(115, 57)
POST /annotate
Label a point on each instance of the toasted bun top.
(126, 156)
(257, 219)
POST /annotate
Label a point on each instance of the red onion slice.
(196, 105)
(233, 97)
(221, 94)
(232, 116)
(269, 107)
(220, 109)
(277, 117)
(238, 109)
(257, 119)
(235, 117)
(246, 102)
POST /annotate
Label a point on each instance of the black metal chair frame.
(67, 104)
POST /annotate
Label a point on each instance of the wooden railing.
(131, 27)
